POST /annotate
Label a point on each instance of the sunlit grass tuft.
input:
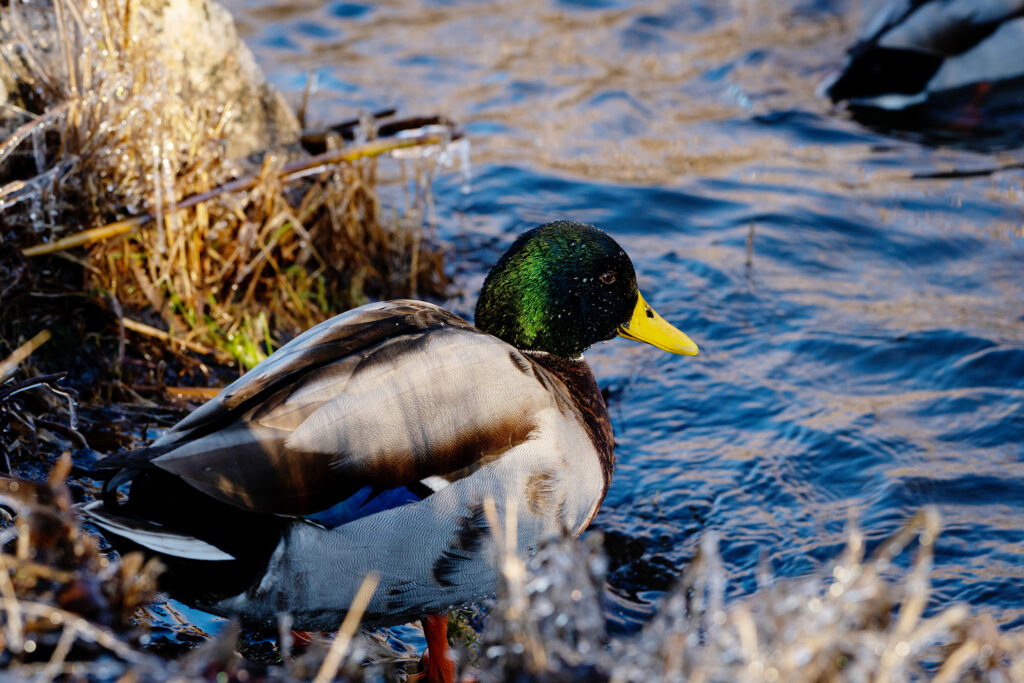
(113, 140)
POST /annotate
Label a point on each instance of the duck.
(372, 443)
(910, 51)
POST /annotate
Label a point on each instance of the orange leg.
(301, 639)
(437, 660)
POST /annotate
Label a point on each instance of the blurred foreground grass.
(70, 609)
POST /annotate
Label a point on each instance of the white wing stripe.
(176, 545)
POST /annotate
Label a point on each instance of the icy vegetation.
(67, 606)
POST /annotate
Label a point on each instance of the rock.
(200, 36)
(198, 49)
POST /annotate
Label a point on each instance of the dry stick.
(11, 363)
(19, 135)
(145, 329)
(36, 570)
(18, 190)
(956, 662)
(329, 667)
(60, 653)
(88, 630)
(87, 236)
(289, 172)
(28, 54)
(65, 44)
(13, 609)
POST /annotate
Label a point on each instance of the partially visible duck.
(911, 50)
(371, 442)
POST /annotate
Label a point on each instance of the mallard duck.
(371, 442)
(910, 50)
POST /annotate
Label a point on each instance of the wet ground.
(862, 331)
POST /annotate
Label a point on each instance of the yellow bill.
(649, 327)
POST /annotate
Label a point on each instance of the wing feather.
(384, 396)
(320, 345)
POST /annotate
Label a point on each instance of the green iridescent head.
(564, 286)
(559, 288)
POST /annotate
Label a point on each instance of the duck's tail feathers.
(139, 458)
(120, 468)
(152, 536)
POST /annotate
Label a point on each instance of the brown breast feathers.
(579, 382)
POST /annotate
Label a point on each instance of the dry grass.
(863, 618)
(107, 133)
(862, 621)
(65, 607)
(61, 598)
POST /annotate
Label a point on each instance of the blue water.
(861, 332)
(854, 366)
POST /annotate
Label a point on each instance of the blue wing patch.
(368, 501)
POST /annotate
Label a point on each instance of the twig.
(30, 383)
(19, 135)
(339, 646)
(288, 172)
(11, 606)
(149, 331)
(11, 363)
(38, 570)
(956, 662)
(86, 629)
(65, 44)
(19, 190)
(60, 653)
(58, 428)
(46, 382)
(86, 236)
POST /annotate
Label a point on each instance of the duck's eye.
(607, 278)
